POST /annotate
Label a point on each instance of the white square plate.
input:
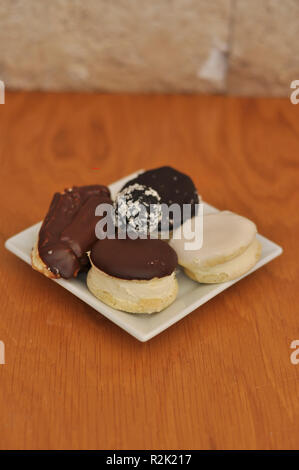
(191, 295)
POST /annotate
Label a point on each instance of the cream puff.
(229, 248)
(136, 276)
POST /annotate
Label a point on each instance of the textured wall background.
(235, 46)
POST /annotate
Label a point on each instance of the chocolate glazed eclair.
(68, 231)
(136, 276)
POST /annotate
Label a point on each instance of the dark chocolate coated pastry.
(68, 230)
(172, 186)
(140, 259)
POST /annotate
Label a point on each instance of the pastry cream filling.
(131, 290)
(225, 236)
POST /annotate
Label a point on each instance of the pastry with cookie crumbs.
(164, 185)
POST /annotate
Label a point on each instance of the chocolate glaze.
(141, 259)
(171, 185)
(68, 230)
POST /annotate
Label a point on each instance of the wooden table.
(222, 377)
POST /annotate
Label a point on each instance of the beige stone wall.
(235, 46)
(264, 56)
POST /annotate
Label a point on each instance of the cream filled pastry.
(150, 190)
(229, 249)
(136, 276)
(68, 231)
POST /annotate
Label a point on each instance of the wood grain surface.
(219, 379)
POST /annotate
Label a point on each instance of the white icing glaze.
(225, 235)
